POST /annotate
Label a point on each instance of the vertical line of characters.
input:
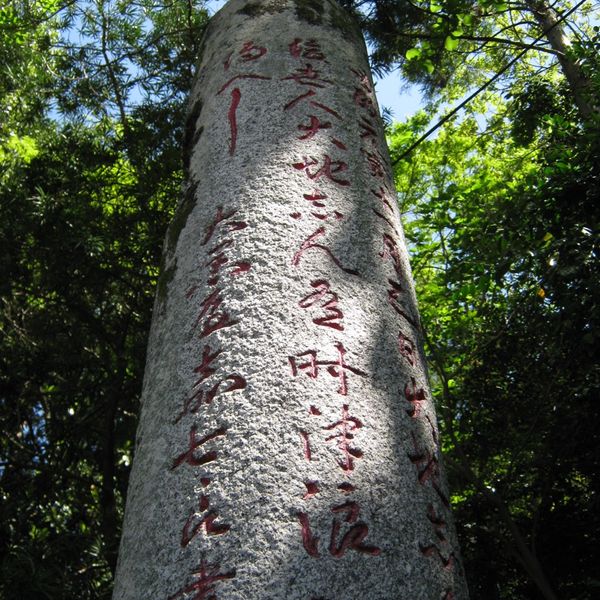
(424, 453)
(323, 167)
(212, 382)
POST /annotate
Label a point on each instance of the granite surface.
(287, 445)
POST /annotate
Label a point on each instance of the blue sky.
(393, 93)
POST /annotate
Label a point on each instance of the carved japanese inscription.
(288, 445)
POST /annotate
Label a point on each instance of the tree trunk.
(549, 24)
(287, 445)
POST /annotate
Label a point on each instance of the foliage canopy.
(92, 98)
(501, 212)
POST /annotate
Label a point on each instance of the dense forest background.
(501, 209)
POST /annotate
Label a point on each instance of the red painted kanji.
(304, 436)
(202, 396)
(407, 349)
(309, 49)
(428, 468)
(385, 198)
(328, 301)
(213, 316)
(313, 127)
(218, 259)
(364, 97)
(197, 522)
(190, 456)
(353, 538)
(236, 96)
(384, 218)
(363, 80)
(337, 368)
(310, 244)
(203, 588)
(391, 251)
(339, 144)
(309, 541)
(310, 130)
(336, 215)
(191, 291)
(367, 129)
(415, 397)
(375, 162)
(241, 267)
(387, 220)
(205, 370)
(307, 96)
(329, 169)
(312, 489)
(433, 550)
(308, 76)
(250, 51)
(438, 522)
(344, 434)
(395, 292)
(346, 488)
(311, 368)
(221, 217)
(315, 198)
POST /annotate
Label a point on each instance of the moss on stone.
(190, 135)
(341, 19)
(197, 136)
(164, 279)
(207, 32)
(310, 11)
(255, 9)
(252, 9)
(181, 216)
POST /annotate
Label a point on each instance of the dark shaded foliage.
(85, 199)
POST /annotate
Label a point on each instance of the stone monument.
(287, 445)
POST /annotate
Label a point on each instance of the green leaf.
(429, 67)
(451, 43)
(24, 147)
(434, 7)
(413, 53)
(466, 18)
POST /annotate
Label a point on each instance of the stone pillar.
(287, 445)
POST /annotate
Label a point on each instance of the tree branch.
(111, 73)
(489, 82)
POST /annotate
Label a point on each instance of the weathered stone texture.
(287, 445)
